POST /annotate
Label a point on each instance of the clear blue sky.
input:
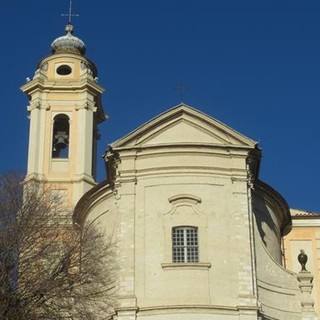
(254, 65)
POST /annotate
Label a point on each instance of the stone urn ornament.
(302, 258)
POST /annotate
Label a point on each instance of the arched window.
(60, 139)
(185, 244)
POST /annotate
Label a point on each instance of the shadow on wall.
(266, 223)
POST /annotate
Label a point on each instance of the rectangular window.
(185, 244)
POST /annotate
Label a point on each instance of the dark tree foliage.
(49, 268)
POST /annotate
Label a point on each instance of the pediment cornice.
(183, 125)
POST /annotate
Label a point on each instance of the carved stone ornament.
(44, 66)
(302, 258)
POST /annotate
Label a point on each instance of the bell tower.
(65, 111)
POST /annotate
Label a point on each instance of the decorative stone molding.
(184, 198)
(38, 105)
(188, 200)
(86, 106)
(44, 66)
(305, 279)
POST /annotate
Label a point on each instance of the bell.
(61, 143)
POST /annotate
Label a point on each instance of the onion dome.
(68, 43)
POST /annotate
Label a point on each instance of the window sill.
(59, 159)
(186, 266)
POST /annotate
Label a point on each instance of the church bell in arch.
(60, 137)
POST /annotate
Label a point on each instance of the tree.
(49, 268)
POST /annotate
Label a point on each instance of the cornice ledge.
(126, 309)
(186, 266)
(189, 307)
(273, 195)
(87, 200)
(33, 84)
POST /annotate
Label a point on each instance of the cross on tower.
(70, 14)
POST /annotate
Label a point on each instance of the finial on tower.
(69, 28)
(70, 15)
(68, 43)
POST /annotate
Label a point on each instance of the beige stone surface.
(160, 177)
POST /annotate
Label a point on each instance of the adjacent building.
(305, 235)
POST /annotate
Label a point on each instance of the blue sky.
(254, 65)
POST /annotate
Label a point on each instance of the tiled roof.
(304, 214)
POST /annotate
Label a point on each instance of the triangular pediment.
(183, 125)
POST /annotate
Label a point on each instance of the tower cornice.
(62, 85)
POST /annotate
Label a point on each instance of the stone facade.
(186, 169)
(197, 234)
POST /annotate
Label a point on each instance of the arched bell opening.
(60, 137)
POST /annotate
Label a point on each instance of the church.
(198, 234)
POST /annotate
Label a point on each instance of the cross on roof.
(70, 14)
(181, 89)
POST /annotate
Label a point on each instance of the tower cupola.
(68, 43)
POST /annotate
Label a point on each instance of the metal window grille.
(185, 244)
